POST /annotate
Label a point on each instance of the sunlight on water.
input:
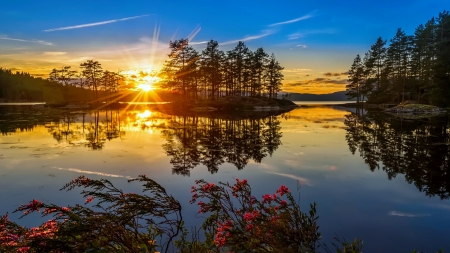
(358, 168)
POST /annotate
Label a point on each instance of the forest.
(213, 73)
(412, 67)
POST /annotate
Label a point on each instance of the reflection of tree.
(211, 142)
(92, 129)
(419, 149)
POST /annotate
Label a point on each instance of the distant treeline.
(66, 86)
(21, 86)
(214, 73)
(413, 67)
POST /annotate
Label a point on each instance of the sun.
(145, 87)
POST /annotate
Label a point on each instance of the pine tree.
(273, 77)
(355, 79)
(211, 64)
(180, 71)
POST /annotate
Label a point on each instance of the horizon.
(315, 43)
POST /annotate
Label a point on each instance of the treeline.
(21, 86)
(63, 85)
(91, 76)
(213, 73)
(412, 67)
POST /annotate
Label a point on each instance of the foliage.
(240, 222)
(129, 222)
(214, 73)
(118, 222)
(412, 67)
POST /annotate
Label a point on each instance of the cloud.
(198, 43)
(55, 53)
(295, 70)
(317, 81)
(264, 34)
(45, 43)
(335, 74)
(94, 24)
(293, 20)
(294, 36)
(297, 35)
(410, 215)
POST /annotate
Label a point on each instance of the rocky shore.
(416, 110)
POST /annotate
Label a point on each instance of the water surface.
(375, 177)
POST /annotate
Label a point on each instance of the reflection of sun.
(145, 87)
(144, 115)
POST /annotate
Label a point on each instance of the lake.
(375, 177)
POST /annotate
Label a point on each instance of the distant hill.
(336, 96)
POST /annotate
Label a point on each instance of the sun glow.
(145, 87)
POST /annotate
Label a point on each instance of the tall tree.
(273, 77)
(92, 73)
(179, 71)
(376, 60)
(441, 89)
(259, 63)
(239, 63)
(355, 79)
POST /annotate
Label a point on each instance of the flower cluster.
(253, 223)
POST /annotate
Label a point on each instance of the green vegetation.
(413, 67)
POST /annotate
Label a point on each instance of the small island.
(189, 81)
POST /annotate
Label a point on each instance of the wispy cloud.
(45, 43)
(293, 20)
(94, 24)
(55, 53)
(296, 71)
(318, 81)
(410, 215)
(296, 35)
(264, 34)
(199, 42)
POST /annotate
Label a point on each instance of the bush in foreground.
(127, 222)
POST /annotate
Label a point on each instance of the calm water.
(374, 177)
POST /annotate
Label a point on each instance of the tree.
(355, 79)
(377, 58)
(273, 77)
(239, 66)
(211, 64)
(92, 73)
(179, 71)
(259, 64)
(441, 87)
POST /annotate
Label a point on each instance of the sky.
(315, 41)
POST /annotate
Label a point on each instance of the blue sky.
(309, 38)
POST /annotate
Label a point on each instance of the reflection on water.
(419, 149)
(209, 141)
(190, 141)
(307, 148)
